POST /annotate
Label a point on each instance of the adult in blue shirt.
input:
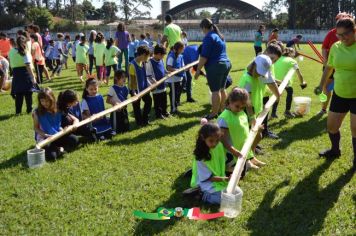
(217, 65)
(259, 39)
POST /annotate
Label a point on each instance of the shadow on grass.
(19, 159)
(303, 210)
(6, 117)
(75, 85)
(150, 227)
(157, 133)
(305, 130)
(162, 130)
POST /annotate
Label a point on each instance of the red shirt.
(330, 39)
(5, 47)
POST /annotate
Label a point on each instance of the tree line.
(306, 14)
(47, 13)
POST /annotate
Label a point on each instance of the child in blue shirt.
(69, 106)
(155, 71)
(133, 45)
(137, 83)
(47, 122)
(93, 103)
(117, 94)
(174, 62)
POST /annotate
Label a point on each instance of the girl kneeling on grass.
(234, 125)
(117, 94)
(47, 122)
(209, 164)
(68, 105)
(93, 103)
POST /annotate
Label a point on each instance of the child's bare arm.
(36, 126)
(225, 139)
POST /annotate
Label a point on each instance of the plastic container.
(231, 204)
(302, 105)
(36, 158)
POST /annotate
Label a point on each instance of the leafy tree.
(109, 10)
(39, 16)
(132, 8)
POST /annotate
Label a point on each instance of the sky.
(156, 4)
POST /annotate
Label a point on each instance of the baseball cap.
(263, 65)
(81, 34)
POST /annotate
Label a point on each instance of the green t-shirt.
(257, 88)
(173, 33)
(111, 55)
(99, 49)
(216, 165)
(282, 67)
(17, 60)
(81, 54)
(343, 60)
(238, 126)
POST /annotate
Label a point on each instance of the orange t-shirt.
(37, 54)
(5, 47)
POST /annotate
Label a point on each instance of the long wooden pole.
(253, 133)
(316, 50)
(311, 58)
(71, 128)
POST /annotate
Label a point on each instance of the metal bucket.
(231, 204)
(36, 158)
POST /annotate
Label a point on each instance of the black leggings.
(289, 100)
(39, 73)
(91, 63)
(58, 67)
(19, 101)
(160, 104)
(68, 142)
(174, 95)
(142, 117)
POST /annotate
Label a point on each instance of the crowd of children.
(218, 146)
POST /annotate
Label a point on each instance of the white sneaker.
(250, 165)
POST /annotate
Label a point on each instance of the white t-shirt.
(173, 79)
(113, 95)
(151, 76)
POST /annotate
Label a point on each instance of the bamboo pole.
(311, 58)
(71, 128)
(316, 50)
(253, 133)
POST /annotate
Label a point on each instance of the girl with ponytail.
(208, 170)
(217, 65)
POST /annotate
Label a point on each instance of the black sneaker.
(271, 135)
(329, 153)
(191, 100)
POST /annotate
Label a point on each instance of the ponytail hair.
(208, 24)
(237, 94)
(202, 151)
(21, 45)
(109, 43)
(89, 82)
(178, 45)
(65, 98)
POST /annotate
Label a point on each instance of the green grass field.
(95, 189)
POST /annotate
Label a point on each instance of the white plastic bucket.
(231, 204)
(302, 105)
(36, 158)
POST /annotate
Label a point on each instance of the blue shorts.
(212, 198)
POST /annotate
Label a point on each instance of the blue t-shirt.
(190, 54)
(121, 92)
(214, 49)
(132, 48)
(258, 39)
